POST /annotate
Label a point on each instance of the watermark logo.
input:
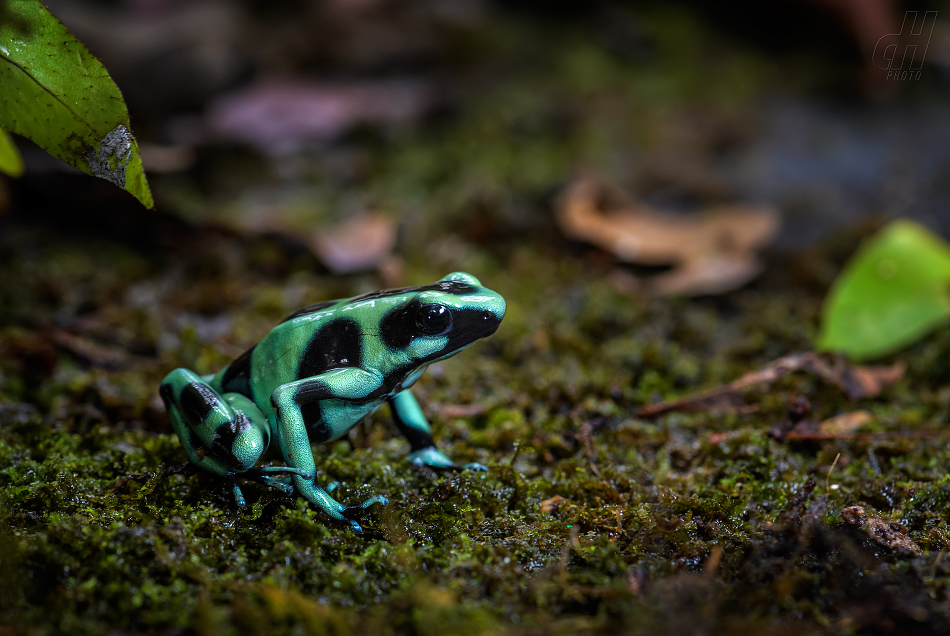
(902, 54)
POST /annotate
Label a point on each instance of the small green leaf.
(53, 91)
(10, 161)
(892, 293)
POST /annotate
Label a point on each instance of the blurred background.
(469, 116)
(303, 150)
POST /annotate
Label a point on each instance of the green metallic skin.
(317, 374)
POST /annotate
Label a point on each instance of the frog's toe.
(281, 485)
(431, 457)
(281, 470)
(332, 486)
(360, 510)
(238, 495)
(369, 503)
(481, 468)
(355, 526)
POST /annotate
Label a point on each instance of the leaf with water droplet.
(894, 291)
(53, 91)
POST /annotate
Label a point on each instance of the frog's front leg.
(222, 434)
(349, 384)
(413, 425)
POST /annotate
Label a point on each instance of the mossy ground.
(658, 529)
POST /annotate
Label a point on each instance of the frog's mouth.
(469, 325)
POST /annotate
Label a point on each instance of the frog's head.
(433, 322)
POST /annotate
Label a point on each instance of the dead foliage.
(711, 253)
(858, 382)
(360, 244)
(883, 532)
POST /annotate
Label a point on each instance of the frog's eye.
(433, 320)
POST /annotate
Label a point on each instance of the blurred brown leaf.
(552, 504)
(844, 423)
(280, 117)
(360, 244)
(711, 253)
(857, 381)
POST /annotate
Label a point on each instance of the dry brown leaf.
(357, 245)
(461, 410)
(845, 423)
(552, 504)
(883, 532)
(283, 116)
(711, 253)
(97, 355)
(858, 382)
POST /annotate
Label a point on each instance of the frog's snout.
(489, 322)
(494, 312)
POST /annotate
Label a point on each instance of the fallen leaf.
(95, 354)
(710, 253)
(845, 423)
(281, 117)
(552, 504)
(890, 294)
(883, 532)
(360, 244)
(719, 437)
(857, 382)
(461, 410)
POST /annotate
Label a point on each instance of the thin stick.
(828, 476)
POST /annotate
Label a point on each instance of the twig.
(828, 476)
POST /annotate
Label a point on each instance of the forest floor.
(591, 519)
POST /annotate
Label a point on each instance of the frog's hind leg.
(222, 434)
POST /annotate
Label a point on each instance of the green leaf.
(892, 293)
(53, 91)
(10, 161)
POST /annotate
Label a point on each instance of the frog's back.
(375, 332)
(277, 357)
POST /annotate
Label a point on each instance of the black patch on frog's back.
(310, 309)
(453, 287)
(167, 394)
(237, 377)
(222, 444)
(196, 402)
(337, 344)
(398, 327)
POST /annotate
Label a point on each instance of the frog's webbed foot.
(320, 497)
(432, 457)
(262, 475)
(351, 514)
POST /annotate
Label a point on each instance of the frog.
(317, 374)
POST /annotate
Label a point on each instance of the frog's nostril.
(490, 321)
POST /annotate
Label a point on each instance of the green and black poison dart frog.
(318, 373)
